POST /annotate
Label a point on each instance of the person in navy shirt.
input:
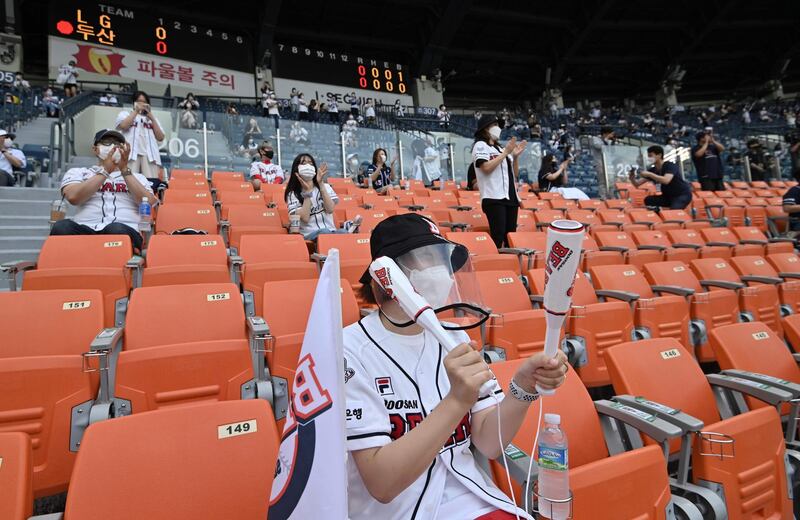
(707, 161)
(379, 173)
(791, 206)
(676, 193)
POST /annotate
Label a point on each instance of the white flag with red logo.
(310, 475)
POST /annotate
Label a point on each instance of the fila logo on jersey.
(384, 385)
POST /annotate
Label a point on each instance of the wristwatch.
(518, 393)
(126, 172)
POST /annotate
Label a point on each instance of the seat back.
(475, 218)
(255, 249)
(534, 240)
(615, 239)
(714, 269)
(173, 217)
(188, 196)
(85, 251)
(16, 488)
(753, 265)
(207, 460)
(620, 278)
(651, 238)
(672, 273)
(185, 173)
(477, 242)
(750, 233)
(686, 236)
(785, 262)
(582, 291)
(240, 197)
(502, 291)
(174, 250)
(723, 235)
(352, 247)
(679, 215)
(246, 215)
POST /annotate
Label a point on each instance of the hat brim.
(111, 133)
(10, 136)
(457, 259)
(486, 125)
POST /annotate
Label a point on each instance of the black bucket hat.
(399, 234)
(485, 121)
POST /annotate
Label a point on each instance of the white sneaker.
(351, 226)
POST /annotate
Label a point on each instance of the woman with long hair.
(380, 175)
(551, 174)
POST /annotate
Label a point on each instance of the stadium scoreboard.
(149, 32)
(342, 68)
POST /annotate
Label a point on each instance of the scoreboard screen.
(149, 32)
(343, 68)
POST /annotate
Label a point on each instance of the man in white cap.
(107, 195)
(11, 159)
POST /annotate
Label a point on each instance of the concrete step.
(47, 194)
(11, 255)
(25, 208)
(21, 242)
(16, 220)
(23, 231)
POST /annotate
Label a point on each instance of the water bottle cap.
(552, 418)
(145, 199)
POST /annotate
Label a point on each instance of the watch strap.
(518, 393)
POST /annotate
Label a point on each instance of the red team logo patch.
(384, 385)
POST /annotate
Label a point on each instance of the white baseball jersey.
(267, 173)
(392, 382)
(111, 203)
(318, 219)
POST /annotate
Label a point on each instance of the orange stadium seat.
(787, 264)
(251, 220)
(485, 255)
(354, 254)
(42, 381)
(759, 301)
(724, 237)
(691, 239)
(475, 219)
(752, 472)
(658, 240)
(622, 242)
(655, 316)
(228, 199)
(592, 326)
(225, 176)
(268, 258)
(181, 456)
(175, 217)
(181, 173)
(16, 488)
(593, 471)
(708, 309)
(188, 196)
(755, 270)
(750, 235)
(186, 259)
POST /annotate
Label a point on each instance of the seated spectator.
(380, 175)
(263, 170)
(399, 109)
(676, 193)
(108, 98)
(51, 103)
(302, 107)
(249, 147)
(369, 111)
(298, 134)
(764, 116)
(791, 206)
(107, 195)
(758, 161)
(552, 175)
(189, 106)
(20, 83)
(10, 160)
(252, 130)
(68, 78)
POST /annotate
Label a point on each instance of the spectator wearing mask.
(272, 110)
(252, 130)
(108, 98)
(20, 83)
(263, 170)
(497, 171)
(607, 136)
(757, 160)
(313, 110)
(399, 109)
(380, 175)
(764, 116)
(676, 193)
(431, 165)
(302, 107)
(552, 175)
(68, 77)
(106, 195)
(189, 106)
(298, 134)
(51, 103)
(333, 111)
(791, 206)
(369, 112)
(10, 159)
(294, 100)
(142, 132)
(353, 104)
(706, 157)
(249, 147)
(444, 118)
(231, 110)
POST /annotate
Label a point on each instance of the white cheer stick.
(394, 282)
(564, 242)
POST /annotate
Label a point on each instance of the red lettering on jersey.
(402, 424)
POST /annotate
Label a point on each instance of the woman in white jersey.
(414, 409)
(143, 132)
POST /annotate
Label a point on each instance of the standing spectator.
(444, 117)
(333, 111)
(51, 103)
(380, 175)
(265, 94)
(594, 113)
(444, 154)
(10, 159)
(757, 160)
(298, 134)
(108, 98)
(107, 195)
(794, 152)
(231, 110)
(313, 110)
(497, 171)
(353, 104)
(399, 109)
(477, 115)
(20, 83)
(263, 170)
(68, 77)
(552, 175)
(707, 162)
(252, 130)
(189, 106)
(272, 110)
(431, 164)
(294, 100)
(142, 132)
(676, 193)
(746, 115)
(369, 112)
(266, 89)
(302, 107)
(763, 115)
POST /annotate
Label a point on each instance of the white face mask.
(495, 132)
(651, 161)
(8, 142)
(382, 157)
(307, 171)
(104, 149)
(433, 283)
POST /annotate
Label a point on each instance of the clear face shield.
(443, 275)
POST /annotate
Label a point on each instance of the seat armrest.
(793, 388)
(518, 462)
(646, 422)
(318, 257)
(537, 298)
(702, 219)
(414, 207)
(13, 268)
(671, 221)
(789, 275)
(624, 296)
(721, 244)
(135, 264)
(454, 225)
(217, 204)
(651, 247)
(460, 208)
(796, 357)
(106, 347)
(261, 340)
(684, 421)
(761, 279)
(235, 263)
(224, 224)
(723, 284)
(753, 242)
(779, 239)
(515, 251)
(761, 391)
(696, 247)
(49, 516)
(673, 289)
(618, 249)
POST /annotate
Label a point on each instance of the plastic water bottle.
(145, 211)
(553, 469)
